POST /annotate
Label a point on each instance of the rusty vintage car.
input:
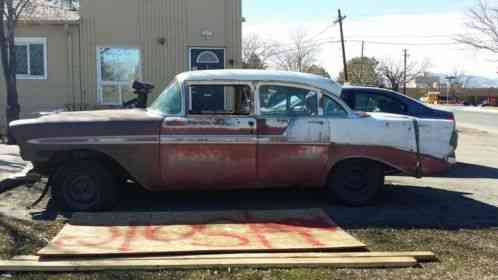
(232, 129)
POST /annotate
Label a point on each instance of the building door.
(206, 58)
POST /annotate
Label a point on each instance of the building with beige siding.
(86, 59)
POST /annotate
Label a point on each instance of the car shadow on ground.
(398, 207)
(472, 171)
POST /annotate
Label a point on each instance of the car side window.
(220, 99)
(332, 108)
(170, 100)
(276, 100)
(367, 102)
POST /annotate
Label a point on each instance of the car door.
(293, 139)
(214, 145)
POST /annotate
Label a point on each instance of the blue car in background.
(368, 99)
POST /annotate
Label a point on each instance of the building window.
(208, 57)
(117, 68)
(31, 58)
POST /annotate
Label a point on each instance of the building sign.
(207, 58)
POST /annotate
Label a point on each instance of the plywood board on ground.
(137, 264)
(421, 256)
(199, 232)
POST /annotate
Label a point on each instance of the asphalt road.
(474, 117)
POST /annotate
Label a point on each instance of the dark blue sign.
(206, 58)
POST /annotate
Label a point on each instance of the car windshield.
(170, 100)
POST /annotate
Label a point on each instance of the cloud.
(426, 36)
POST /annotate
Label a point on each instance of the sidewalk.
(10, 161)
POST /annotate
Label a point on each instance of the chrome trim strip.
(232, 139)
(168, 139)
(208, 139)
(98, 140)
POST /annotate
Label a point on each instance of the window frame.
(207, 49)
(339, 102)
(100, 82)
(188, 97)
(386, 96)
(27, 41)
(320, 94)
(183, 112)
(283, 84)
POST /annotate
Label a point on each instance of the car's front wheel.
(356, 182)
(84, 186)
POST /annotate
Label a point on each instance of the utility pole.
(405, 54)
(362, 61)
(344, 60)
(450, 87)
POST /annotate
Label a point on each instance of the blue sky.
(308, 9)
(427, 28)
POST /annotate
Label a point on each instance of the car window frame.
(339, 101)
(188, 98)
(182, 98)
(321, 93)
(381, 94)
(284, 84)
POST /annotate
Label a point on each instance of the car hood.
(90, 116)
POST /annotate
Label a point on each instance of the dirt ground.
(456, 216)
(466, 198)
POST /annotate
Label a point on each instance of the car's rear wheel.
(84, 186)
(356, 182)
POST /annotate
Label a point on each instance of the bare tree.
(393, 71)
(12, 11)
(482, 25)
(301, 54)
(317, 70)
(257, 52)
(458, 78)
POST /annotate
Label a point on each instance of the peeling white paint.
(435, 137)
(378, 130)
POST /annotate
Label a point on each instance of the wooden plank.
(200, 232)
(421, 256)
(102, 265)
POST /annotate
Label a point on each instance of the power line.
(312, 45)
(405, 43)
(321, 32)
(407, 36)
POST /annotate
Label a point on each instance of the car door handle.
(316, 122)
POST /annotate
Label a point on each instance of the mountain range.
(472, 81)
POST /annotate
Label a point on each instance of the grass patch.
(465, 254)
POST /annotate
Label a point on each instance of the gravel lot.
(466, 199)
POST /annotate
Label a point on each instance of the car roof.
(262, 76)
